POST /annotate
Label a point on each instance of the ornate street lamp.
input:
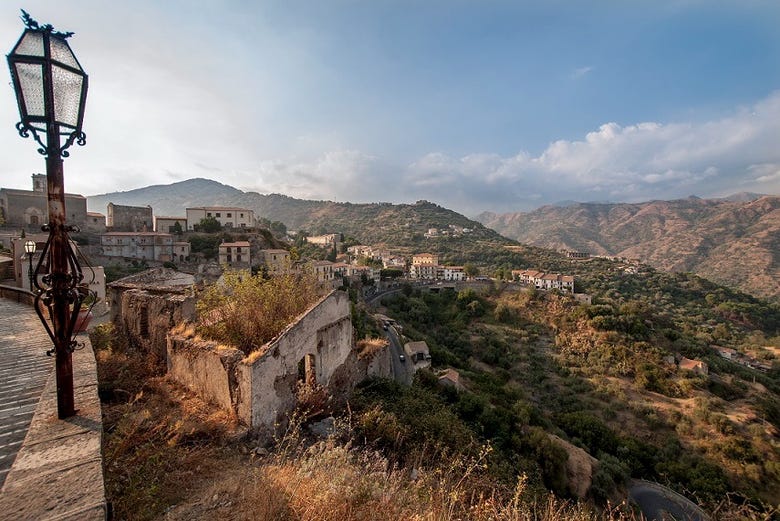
(51, 90)
(29, 249)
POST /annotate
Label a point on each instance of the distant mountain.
(734, 241)
(169, 199)
(398, 224)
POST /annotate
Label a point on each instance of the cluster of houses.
(451, 231)
(741, 358)
(542, 280)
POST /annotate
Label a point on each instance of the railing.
(19, 295)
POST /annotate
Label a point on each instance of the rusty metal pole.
(60, 274)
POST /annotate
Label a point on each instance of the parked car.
(402, 358)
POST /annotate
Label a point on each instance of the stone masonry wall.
(268, 383)
(147, 317)
(261, 388)
(205, 367)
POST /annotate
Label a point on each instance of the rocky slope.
(734, 242)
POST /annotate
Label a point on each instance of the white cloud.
(637, 162)
(580, 72)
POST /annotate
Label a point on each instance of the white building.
(542, 280)
(228, 216)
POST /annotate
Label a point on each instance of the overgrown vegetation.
(246, 311)
(538, 360)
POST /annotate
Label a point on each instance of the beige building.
(96, 222)
(328, 239)
(152, 246)
(276, 261)
(235, 254)
(323, 270)
(227, 216)
(167, 224)
(425, 258)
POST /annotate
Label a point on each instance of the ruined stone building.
(29, 209)
(145, 306)
(121, 218)
(261, 388)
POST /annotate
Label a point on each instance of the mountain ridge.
(731, 240)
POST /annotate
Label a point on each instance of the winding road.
(661, 504)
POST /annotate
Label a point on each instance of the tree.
(470, 270)
(176, 228)
(208, 224)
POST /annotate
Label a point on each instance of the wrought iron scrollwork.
(79, 137)
(30, 23)
(25, 131)
(69, 287)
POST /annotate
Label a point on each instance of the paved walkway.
(24, 368)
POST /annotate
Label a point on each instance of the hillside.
(733, 241)
(397, 224)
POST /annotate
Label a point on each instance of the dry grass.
(168, 455)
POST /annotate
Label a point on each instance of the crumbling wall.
(373, 358)
(205, 367)
(147, 317)
(261, 388)
(268, 380)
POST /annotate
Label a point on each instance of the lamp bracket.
(78, 137)
(26, 130)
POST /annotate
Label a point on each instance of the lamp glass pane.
(67, 96)
(60, 51)
(30, 77)
(31, 44)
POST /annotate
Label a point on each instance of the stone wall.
(205, 367)
(268, 381)
(121, 218)
(261, 388)
(146, 317)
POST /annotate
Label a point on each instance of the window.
(242, 215)
(230, 215)
(238, 249)
(238, 258)
(219, 214)
(229, 258)
(229, 249)
(208, 214)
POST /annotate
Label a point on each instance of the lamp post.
(29, 249)
(51, 91)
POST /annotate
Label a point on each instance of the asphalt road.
(401, 374)
(660, 503)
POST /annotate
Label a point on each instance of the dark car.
(402, 358)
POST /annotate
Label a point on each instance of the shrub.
(247, 311)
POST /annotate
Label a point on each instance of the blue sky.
(476, 105)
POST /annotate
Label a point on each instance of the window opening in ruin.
(306, 374)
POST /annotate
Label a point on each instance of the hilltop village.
(134, 236)
(579, 373)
